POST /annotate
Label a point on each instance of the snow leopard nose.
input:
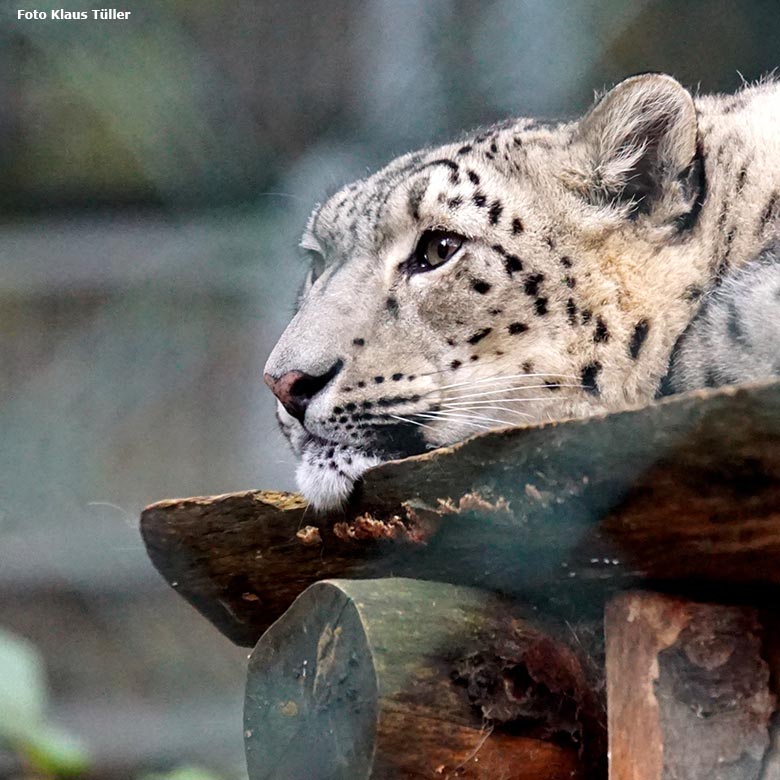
(296, 389)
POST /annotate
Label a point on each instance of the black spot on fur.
(586, 316)
(601, 334)
(589, 378)
(540, 305)
(480, 286)
(416, 194)
(473, 178)
(451, 342)
(474, 358)
(493, 147)
(361, 383)
(692, 293)
(455, 364)
(350, 407)
(495, 312)
(735, 104)
(337, 410)
(734, 325)
(513, 264)
(391, 304)
(455, 202)
(517, 226)
(566, 262)
(693, 183)
(571, 282)
(724, 262)
(479, 199)
(517, 327)
(741, 179)
(527, 367)
(479, 335)
(641, 329)
(495, 212)
(397, 377)
(571, 311)
(359, 342)
(769, 212)
(464, 149)
(531, 284)
(379, 379)
(552, 385)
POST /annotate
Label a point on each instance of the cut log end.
(368, 679)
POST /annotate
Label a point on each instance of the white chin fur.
(327, 483)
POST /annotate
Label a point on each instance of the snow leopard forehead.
(470, 174)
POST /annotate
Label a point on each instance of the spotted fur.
(590, 248)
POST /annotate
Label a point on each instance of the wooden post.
(396, 678)
(688, 690)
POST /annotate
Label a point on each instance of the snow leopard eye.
(434, 248)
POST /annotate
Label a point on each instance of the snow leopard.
(535, 271)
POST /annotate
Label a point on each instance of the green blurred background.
(154, 176)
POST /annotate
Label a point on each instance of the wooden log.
(688, 691)
(397, 678)
(685, 492)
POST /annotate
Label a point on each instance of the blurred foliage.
(48, 751)
(183, 773)
(206, 103)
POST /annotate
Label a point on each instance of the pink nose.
(295, 389)
(284, 388)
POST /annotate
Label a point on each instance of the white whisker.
(505, 378)
(412, 422)
(443, 418)
(481, 407)
(504, 390)
(493, 400)
(465, 415)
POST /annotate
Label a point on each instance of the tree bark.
(684, 494)
(688, 690)
(396, 678)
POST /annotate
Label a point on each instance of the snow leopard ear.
(637, 146)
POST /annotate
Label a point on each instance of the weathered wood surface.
(689, 691)
(397, 678)
(685, 493)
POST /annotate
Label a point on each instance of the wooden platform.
(682, 495)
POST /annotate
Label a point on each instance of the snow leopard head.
(529, 272)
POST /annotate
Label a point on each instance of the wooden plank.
(685, 492)
(404, 678)
(688, 690)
